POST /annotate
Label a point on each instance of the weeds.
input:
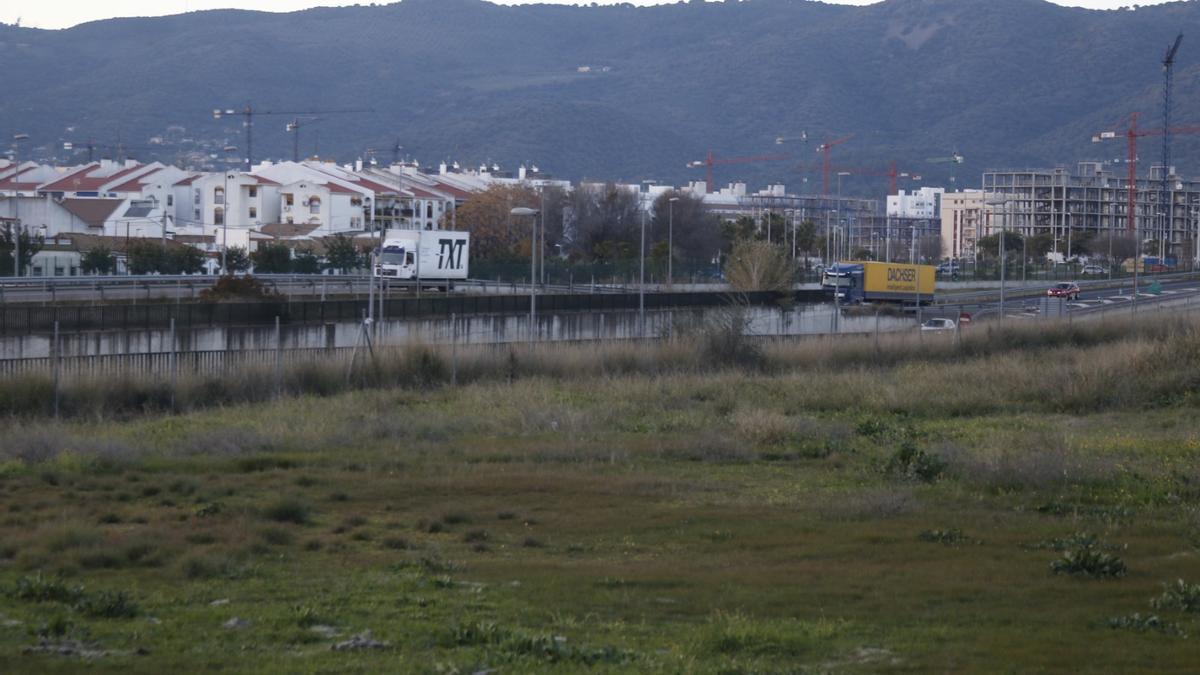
(1089, 562)
(290, 510)
(951, 537)
(40, 588)
(909, 461)
(109, 605)
(1181, 595)
(1143, 624)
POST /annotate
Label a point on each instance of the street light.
(670, 240)
(522, 211)
(1001, 201)
(17, 139)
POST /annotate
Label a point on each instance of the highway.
(1091, 300)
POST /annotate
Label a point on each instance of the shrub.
(276, 536)
(1089, 562)
(245, 287)
(1180, 595)
(911, 462)
(1143, 624)
(396, 543)
(947, 537)
(456, 518)
(39, 588)
(109, 605)
(289, 510)
(475, 536)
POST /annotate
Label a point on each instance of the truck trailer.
(434, 257)
(866, 281)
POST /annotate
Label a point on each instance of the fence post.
(453, 350)
(174, 365)
(278, 358)
(57, 367)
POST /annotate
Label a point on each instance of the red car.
(1065, 289)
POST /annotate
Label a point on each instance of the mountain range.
(623, 92)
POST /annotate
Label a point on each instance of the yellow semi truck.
(857, 281)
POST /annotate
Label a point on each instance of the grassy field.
(1023, 501)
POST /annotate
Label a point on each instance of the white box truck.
(434, 257)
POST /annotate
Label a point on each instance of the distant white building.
(924, 204)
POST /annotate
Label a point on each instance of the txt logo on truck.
(901, 274)
(450, 254)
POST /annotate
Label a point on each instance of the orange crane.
(824, 149)
(1131, 134)
(710, 161)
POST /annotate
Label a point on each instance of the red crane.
(824, 149)
(710, 161)
(892, 174)
(1132, 133)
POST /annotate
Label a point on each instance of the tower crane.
(710, 161)
(824, 149)
(1131, 134)
(248, 114)
(293, 128)
(1168, 63)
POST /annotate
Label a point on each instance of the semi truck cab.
(844, 281)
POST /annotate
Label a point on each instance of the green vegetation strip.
(1022, 501)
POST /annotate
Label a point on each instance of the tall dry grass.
(1057, 367)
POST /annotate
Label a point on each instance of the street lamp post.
(642, 280)
(523, 211)
(1002, 201)
(671, 241)
(17, 227)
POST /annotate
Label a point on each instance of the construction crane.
(954, 159)
(1168, 63)
(824, 149)
(1131, 134)
(892, 174)
(802, 138)
(248, 114)
(293, 128)
(710, 161)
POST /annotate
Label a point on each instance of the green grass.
(895, 512)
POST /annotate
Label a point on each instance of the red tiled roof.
(10, 182)
(454, 191)
(334, 187)
(92, 211)
(419, 192)
(265, 181)
(377, 188)
(83, 181)
(135, 184)
(188, 181)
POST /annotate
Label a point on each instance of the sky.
(66, 13)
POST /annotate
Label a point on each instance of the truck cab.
(396, 260)
(844, 281)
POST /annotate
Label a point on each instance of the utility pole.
(1165, 201)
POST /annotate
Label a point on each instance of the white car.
(938, 325)
(1093, 271)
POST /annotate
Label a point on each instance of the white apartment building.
(924, 203)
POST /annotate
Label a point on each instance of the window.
(170, 200)
(429, 210)
(196, 199)
(218, 216)
(253, 191)
(288, 199)
(290, 220)
(219, 195)
(253, 212)
(196, 215)
(314, 205)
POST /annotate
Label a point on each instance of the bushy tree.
(607, 221)
(30, 246)
(697, 232)
(989, 246)
(272, 259)
(755, 265)
(145, 256)
(236, 259)
(306, 263)
(98, 260)
(342, 254)
(186, 260)
(495, 233)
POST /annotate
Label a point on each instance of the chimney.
(521, 172)
(358, 164)
(442, 169)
